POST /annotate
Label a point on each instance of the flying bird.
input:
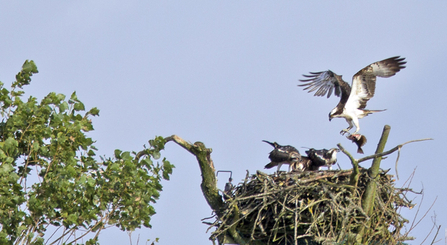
(352, 98)
(282, 155)
(322, 158)
(359, 140)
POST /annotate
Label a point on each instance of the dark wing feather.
(323, 82)
(279, 156)
(326, 82)
(364, 81)
(314, 155)
(283, 153)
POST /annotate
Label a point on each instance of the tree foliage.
(50, 175)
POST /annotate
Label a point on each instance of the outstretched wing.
(325, 82)
(364, 81)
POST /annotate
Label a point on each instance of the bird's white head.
(333, 114)
(333, 154)
(334, 151)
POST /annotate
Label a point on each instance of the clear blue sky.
(225, 73)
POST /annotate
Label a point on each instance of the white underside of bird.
(352, 115)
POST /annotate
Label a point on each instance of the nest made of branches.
(313, 208)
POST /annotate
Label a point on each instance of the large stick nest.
(312, 208)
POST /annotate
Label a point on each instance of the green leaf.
(167, 167)
(91, 153)
(2, 154)
(29, 66)
(60, 97)
(39, 241)
(114, 166)
(24, 76)
(73, 98)
(126, 156)
(10, 146)
(63, 106)
(36, 146)
(94, 111)
(118, 154)
(71, 171)
(82, 179)
(91, 182)
(72, 218)
(156, 155)
(79, 106)
(147, 162)
(6, 168)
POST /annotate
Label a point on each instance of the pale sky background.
(225, 73)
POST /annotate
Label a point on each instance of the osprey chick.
(322, 158)
(352, 98)
(282, 155)
(304, 164)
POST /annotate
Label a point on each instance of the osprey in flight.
(352, 98)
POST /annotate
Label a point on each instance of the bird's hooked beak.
(333, 114)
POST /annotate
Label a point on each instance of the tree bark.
(368, 196)
(209, 187)
(209, 181)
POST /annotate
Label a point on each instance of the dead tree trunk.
(209, 184)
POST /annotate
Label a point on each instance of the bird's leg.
(279, 167)
(344, 131)
(292, 165)
(357, 125)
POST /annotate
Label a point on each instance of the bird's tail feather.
(359, 150)
(270, 165)
(367, 112)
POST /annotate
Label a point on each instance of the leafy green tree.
(50, 175)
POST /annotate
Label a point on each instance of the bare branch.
(390, 151)
(353, 160)
(355, 167)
